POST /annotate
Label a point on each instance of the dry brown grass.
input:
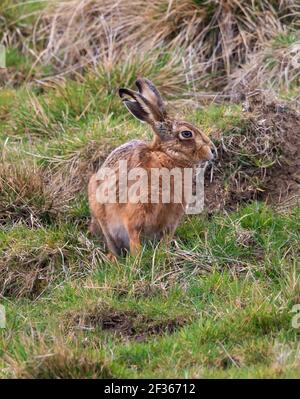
(219, 35)
(206, 41)
(52, 358)
(260, 161)
(276, 66)
(27, 272)
(31, 194)
(34, 260)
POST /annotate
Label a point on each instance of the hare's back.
(133, 150)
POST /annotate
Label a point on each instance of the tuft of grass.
(275, 67)
(58, 363)
(220, 35)
(33, 258)
(78, 102)
(30, 194)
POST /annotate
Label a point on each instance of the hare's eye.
(186, 134)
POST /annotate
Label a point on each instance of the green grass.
(284, 40)
(237, 315)
(220, 118)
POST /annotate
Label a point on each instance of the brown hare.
(176, 144)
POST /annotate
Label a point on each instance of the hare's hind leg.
(96, 230)
(133, 221)
(110, 241)
(121, 240)
(116, 236)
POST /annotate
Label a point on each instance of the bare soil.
(128, 324)
(260, 162)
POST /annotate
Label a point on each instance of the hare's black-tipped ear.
(140, 107)
(133, 106)
(149, 91)
(147, 106)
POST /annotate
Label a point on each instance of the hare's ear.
(146, 105)
(135, 105)
(148, 90)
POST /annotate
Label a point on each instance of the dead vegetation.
(276, 66)
(27, 273)
(40, 193)
(208, 41)
(31, 194)
(66, 365)
(33, 260)
(219, 34)
(55, 360)
(261, 160)
(79, 164)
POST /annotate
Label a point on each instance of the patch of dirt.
(127, 323)
(261, 161)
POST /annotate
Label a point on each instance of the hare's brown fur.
(125, 224)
